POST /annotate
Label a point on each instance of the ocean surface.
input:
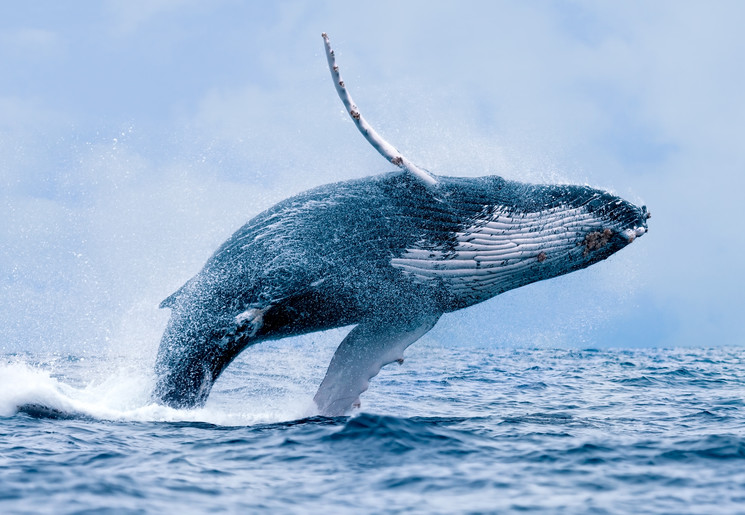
(452, 430)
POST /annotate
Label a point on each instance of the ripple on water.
(482, 431)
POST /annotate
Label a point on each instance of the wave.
(709, 447)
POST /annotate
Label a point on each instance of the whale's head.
(556, 229)
(578, 225)
(511, 234)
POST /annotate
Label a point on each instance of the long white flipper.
(387, 150)
(360, 356)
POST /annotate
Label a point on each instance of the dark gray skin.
(336, 255)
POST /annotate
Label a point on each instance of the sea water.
(452, 430)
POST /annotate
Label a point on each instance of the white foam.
(124, 395)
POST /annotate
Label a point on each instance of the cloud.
(29, 43)
(131, 15)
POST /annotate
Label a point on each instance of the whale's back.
(347, 232)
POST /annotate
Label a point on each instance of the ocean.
(453, 430)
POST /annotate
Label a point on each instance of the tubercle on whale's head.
(631, 233)
(618, 224)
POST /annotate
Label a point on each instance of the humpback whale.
(388, 254)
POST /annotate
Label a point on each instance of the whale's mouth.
(632, 234)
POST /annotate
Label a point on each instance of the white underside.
(494, 255)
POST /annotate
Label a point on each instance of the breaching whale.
(389, 254)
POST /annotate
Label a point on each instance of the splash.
(121, 393)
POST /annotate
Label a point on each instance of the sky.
(136, 136)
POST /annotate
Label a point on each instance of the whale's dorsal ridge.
(170, 301)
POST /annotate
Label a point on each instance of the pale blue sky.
(135, 136)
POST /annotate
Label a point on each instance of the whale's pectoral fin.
(360, 356)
